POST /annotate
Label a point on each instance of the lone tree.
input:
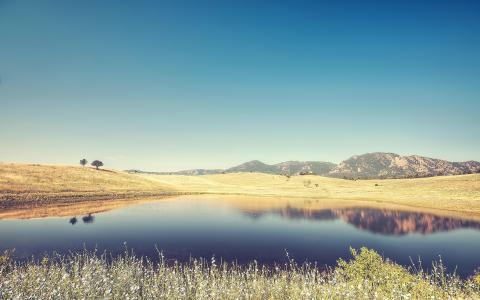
(83, 162)
(97, 163)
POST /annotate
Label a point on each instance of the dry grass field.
(454, 193)
(37, 185)
(31, 185)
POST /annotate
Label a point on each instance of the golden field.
(32, 184)
(38, 185)
(454, 193)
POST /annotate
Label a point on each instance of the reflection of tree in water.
(73, 221)
(88, 219)
(382, 221)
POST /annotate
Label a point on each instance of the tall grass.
(88, 276)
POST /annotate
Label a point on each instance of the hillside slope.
(391, 165)
(255, 166)
(304, 167)
(38, 184)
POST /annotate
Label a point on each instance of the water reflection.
(383, 221)
(243, 229)
(88, 219)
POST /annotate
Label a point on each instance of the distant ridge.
(191, 172)
(391, 165)
(284, 168)
(366, 166)
(254, 166)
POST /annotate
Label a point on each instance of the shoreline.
(34, 186)
(48, 199)
(70, 207)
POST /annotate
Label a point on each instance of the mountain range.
(369, 165)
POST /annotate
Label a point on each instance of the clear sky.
(168, 85)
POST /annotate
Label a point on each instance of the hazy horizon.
(168, 85)
(217, 163)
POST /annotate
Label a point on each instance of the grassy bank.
(39, 185)
(365, 276)
(33, 185)
(453, 193)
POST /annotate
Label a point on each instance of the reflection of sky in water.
(199, 228)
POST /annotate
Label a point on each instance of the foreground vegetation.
(39, 185)
(87, 276)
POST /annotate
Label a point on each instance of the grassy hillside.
(41, 184)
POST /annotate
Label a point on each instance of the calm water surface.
(182, 228)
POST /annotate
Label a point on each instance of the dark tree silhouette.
(97, 163)
(83, 162)
(88, 219)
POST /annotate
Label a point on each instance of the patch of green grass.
(87, 276)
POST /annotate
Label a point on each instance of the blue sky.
(166, 85)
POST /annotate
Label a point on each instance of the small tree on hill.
(97, 163)
(83, 162)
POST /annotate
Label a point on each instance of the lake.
(244, 228)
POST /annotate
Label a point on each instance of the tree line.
(95, 163)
